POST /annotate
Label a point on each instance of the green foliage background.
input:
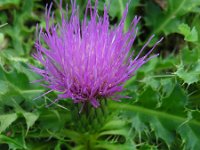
(163, 112)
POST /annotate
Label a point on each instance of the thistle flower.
(86, 60)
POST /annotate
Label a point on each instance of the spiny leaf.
(162, 123)
(176, 102)
(148, 101)
(3, 86)
(115, 134)
(6, 120)
(164, 120)
(30, 118)
(167, 86)
(157, 120)
(113, 124)
(190, 75)
(190, 136)
(14, 143)
(191, 35)
(168, 21)
(188, 56)
(53, 120)
(189, 68)
(19, 30)
(110, 146)
(16, 85)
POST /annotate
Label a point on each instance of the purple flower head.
(86, 60)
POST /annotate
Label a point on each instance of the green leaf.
(13, 143)
(1, 37)
(162, 123)
(6, 120)
(190, 136)
(190, 75)
(167, 21)
(8, 3)
(148, 98)
(110, 146)
(3, 41)
(16, 86)
(157, 120)
(148, 147)
(189, 68)
(167, 86)
(176, 102)
(170, 116)
(188, 56)
(113, 124)
(118, 13)
(53, 120)
(18, 30)
(30, 118)
(195, 23)
(4, 87)
(190, 35)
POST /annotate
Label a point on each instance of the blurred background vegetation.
(163, 112)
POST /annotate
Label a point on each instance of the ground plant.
(99, 75)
